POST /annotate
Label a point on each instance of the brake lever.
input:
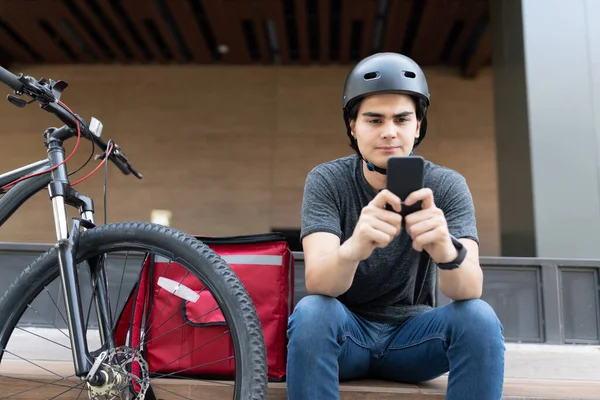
(41, 90)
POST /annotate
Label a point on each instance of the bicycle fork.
(62, 195)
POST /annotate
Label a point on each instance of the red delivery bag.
(264, 264)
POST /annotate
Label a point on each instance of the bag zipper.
(243, 239)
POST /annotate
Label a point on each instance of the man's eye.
(402, 119)
(373, 121)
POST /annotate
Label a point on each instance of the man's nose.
(388, 130)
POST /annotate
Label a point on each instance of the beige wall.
(228, 149)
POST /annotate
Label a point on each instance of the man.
(371, 276)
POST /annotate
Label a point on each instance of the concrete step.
(526, 389)
(532, 371)
(22, 380)
(532, 361)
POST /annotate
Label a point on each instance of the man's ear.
(352, 126)
(418, 132)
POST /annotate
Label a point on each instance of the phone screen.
(404, 176)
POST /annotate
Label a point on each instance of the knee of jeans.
(478, 317)
(316, 316)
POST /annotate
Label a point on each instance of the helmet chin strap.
(374, 168)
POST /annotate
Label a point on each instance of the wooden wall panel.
(227, 149)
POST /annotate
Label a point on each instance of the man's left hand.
(428, 228)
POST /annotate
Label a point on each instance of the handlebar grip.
(10, 79)
(121, 165)
(114, 156)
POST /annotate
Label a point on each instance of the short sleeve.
(320, 207)
(459, 209)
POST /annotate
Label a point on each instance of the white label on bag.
(178, 289)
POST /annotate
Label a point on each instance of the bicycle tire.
(198, 257)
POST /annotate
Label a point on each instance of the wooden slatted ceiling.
(452, 32)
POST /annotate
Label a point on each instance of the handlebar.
(48, 94)
(11, 80)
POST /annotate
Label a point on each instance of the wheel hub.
(122, 373)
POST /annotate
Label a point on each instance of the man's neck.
(375, 179)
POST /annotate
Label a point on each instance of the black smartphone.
(404, 176)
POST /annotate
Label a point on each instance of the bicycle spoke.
(169, 391)
(89, 312)
(168, 300)
(187, 369)
(121, 284)
(193, 350)
(41, 337)
(80, 392)
(130, 383)
(49, 322)
(31, 362)
(68, 390)
(149, 331)
(177, 327)
(56, 305)
(44, 384)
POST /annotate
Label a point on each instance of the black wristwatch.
(462, 253)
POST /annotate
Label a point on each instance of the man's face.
(386, 125)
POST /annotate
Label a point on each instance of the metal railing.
(539, 300)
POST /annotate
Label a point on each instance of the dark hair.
(354, 106)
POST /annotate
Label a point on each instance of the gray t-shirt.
(395, 282)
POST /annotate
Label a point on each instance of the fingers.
(428, 237)
(426, 227)
(423, 226)
(423, 214)
(386, 197)
(379, 227)
(377, 231)
(378, 238)
(390, 229)
(376, 208)
(425, 195)
(389, 217)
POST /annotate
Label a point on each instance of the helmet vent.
(371, 75)
(410, 74)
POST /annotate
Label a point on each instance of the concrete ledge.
(22, 380)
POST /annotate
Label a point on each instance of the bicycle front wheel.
(33, 328)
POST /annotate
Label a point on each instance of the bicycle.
(105, 372)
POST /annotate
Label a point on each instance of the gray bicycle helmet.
(381, 73)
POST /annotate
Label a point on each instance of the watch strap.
(462, 254)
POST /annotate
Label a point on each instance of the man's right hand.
(376, 227)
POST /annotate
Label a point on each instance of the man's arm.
(328, 269)
(430, 229)
(466, 281)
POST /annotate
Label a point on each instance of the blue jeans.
(328, 344)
